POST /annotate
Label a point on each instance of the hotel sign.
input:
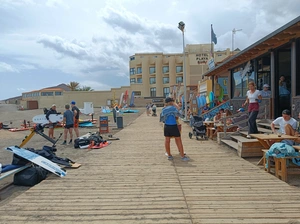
(202, 59)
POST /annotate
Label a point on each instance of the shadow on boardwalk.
(131, 181)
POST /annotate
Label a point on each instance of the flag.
(213, 36)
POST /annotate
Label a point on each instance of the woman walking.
(253, 98)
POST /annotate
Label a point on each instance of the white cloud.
(92, 42)
(4, 67)
(95, 85)
(21, 89)
(57, 3)
(15, 3)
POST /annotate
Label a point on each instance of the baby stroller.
(154, 111)
(198, 128)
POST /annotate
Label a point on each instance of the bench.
(281, 169)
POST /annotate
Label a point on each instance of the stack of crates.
(103, 127)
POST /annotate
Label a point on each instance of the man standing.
(76, 112)
(51, 125)
(265, 93)
(68, 124)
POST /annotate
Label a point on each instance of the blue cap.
(73, 102)
(241, 110)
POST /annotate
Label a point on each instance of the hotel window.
(166, 91)
(152, 70)
(58, 93)
(132, 58)
(165, 80)
(139, 80)
(179, 79)
(47, 94)
(137, 93)
(153, 92)
(139, 70)
(132, 71)
(152, 80)
(165, 69)
(179, 69)
(132, 80)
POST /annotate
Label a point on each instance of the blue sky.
(47, 42)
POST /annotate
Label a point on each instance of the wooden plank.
(230, 143)
(264, 130)
(243, 139)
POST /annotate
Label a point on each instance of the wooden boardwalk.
(132, 182)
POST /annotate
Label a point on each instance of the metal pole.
(232, 40)
(184, 80)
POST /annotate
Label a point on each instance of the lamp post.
(181, 26)
(233, 33)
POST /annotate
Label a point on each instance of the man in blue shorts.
(169, 115)
(68, 124)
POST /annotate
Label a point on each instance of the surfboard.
(204, 100)
(220, 98)
(18, 129)
(132, 100)
(211, 99)
(38, 160)
(207, 99)
(86, 124)
(121, 100)
(41, 119)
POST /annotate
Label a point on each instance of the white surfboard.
(38, 160)
(41, 119)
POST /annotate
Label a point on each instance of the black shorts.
(69, 126)
(171, 131)
(52, 125)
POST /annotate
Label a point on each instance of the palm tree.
(74, 86)
(85, 88)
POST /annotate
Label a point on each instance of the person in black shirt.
(76, 112)
(51, 125)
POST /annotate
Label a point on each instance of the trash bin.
(120, 122)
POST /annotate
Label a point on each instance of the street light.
(233, 32)
(181, 26)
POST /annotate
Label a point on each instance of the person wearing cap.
(253, 98)
(287, 124)
(168, 115)
(68, 122)
(266, 93)
(51, 125)
(76, 112)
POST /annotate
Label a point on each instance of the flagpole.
(211, 41)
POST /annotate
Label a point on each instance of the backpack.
(81, 142)
(30, 176)
(45, 110)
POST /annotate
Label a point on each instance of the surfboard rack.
(39, 129)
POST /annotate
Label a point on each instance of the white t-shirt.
(282, 123)
(253, 96)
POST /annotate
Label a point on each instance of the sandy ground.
(9, 114)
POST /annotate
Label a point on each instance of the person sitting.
(206, 108)
(217, 118)
(265, 93)
(287, 124)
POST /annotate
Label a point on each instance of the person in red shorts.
(76, 113)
